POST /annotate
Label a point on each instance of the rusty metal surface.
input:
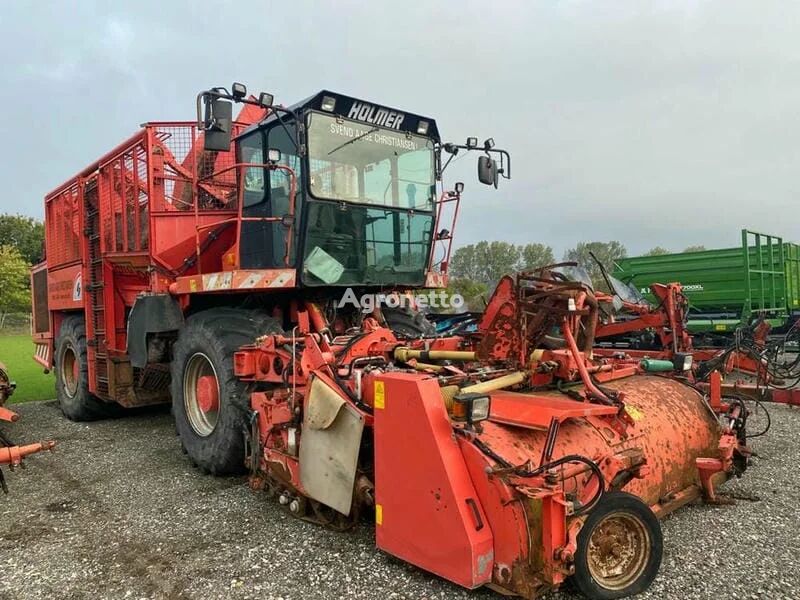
(671, 425)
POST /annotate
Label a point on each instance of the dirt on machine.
(204, 263)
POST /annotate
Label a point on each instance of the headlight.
(471, 408)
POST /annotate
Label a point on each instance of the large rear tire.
(72, 375)
(619, 548)
(210, 404)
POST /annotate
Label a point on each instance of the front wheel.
(619, 548)
(209, 402)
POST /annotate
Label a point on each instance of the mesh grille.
(124, 200)
(63, 227)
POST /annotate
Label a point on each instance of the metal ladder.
(94, 286)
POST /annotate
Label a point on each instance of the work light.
(328, 103)
(472, 142)
(422, 128)
(238, 90)
(265, 99)
(470, 408)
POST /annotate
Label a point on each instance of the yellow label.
(634, 413)
(378, 514)
(720, 327)
(380, 397)
(193, 285)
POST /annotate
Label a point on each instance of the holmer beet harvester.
(10, 453)
(176, 265)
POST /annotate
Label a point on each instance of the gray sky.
(652, 123)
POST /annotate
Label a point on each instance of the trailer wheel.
(209, 403)
(619, 548)
(72, 375)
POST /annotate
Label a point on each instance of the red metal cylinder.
(672, 426)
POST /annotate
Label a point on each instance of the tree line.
(21, 246)
(475, 269)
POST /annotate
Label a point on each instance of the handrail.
(240, 218)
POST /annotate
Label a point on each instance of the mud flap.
(151, 313)
(329, 446)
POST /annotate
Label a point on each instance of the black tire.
(618, 512)
(72, 375)
(406, 322)
(214, 440)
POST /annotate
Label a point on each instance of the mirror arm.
(219, 92)
(445, 164)
(207, 96)
(505, 163)
(505, 157)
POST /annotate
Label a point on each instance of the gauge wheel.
(619, 548)
(210, 404)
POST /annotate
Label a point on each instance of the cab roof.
(359, 110)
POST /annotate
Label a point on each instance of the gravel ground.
(118, 512)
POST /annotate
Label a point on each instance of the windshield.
(575, 273)
(359, 245)
(357, 162)
(626, 291)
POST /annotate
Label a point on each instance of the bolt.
(564, 555)
(283, 499)
(294, 506)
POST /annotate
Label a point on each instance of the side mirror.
(218, 124)
(487, 171)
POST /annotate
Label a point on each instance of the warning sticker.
(380, 398)
(634, 413)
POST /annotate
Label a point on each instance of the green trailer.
(727, 286)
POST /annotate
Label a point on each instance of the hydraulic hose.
(524, 473)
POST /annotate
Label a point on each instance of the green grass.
(16, 352)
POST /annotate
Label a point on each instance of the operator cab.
(365, 190)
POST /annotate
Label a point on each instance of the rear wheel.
(210, 404)
(72, 375)
(619, 548)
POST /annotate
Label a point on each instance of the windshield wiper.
(355, 139)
